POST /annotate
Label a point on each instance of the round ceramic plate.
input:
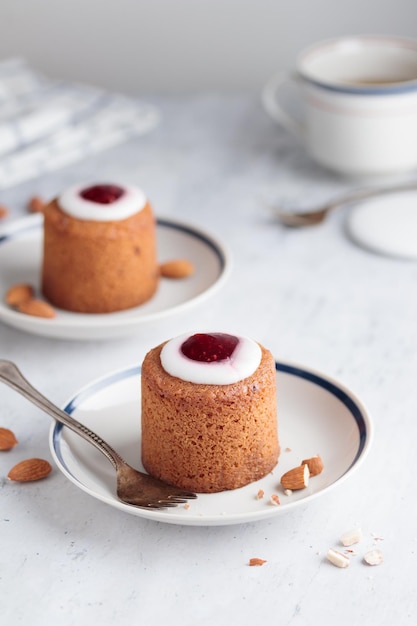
(20, 262)
(317, 415)
(387, 224)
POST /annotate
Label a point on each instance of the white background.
(182, 46)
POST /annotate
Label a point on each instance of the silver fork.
(133, 487)
(297, 219)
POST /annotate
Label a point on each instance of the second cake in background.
(99, 252)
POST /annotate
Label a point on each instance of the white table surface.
(311, 296)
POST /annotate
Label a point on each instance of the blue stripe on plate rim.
(194, 232)
(294, 370)
(337, 391)
(34, 222)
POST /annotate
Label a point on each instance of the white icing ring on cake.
(244, 361)
(132, 201)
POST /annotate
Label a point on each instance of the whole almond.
(36, 204)
(17, 294)
(296, 478)
(30, 469)
(315, 464)
(38, 308)
(255, 561)
(177, 268)
(7, 439)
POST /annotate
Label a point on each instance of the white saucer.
(20, 262)
(317, 415)
(387, 224)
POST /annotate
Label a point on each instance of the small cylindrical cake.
(99, 249)
(209, 412)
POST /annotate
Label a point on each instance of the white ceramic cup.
(359, 97)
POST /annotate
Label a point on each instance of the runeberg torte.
(209, 415)
(99, 250)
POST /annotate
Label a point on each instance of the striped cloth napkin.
(46, 124)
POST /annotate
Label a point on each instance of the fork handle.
(11, 375)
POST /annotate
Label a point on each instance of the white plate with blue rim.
(20, 262)
(317, 415)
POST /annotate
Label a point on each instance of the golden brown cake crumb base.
(208, 438)
(98, 267)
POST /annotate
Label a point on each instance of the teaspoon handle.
(364, 194)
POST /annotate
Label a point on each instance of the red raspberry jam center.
(209, 347)
(102, 194)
